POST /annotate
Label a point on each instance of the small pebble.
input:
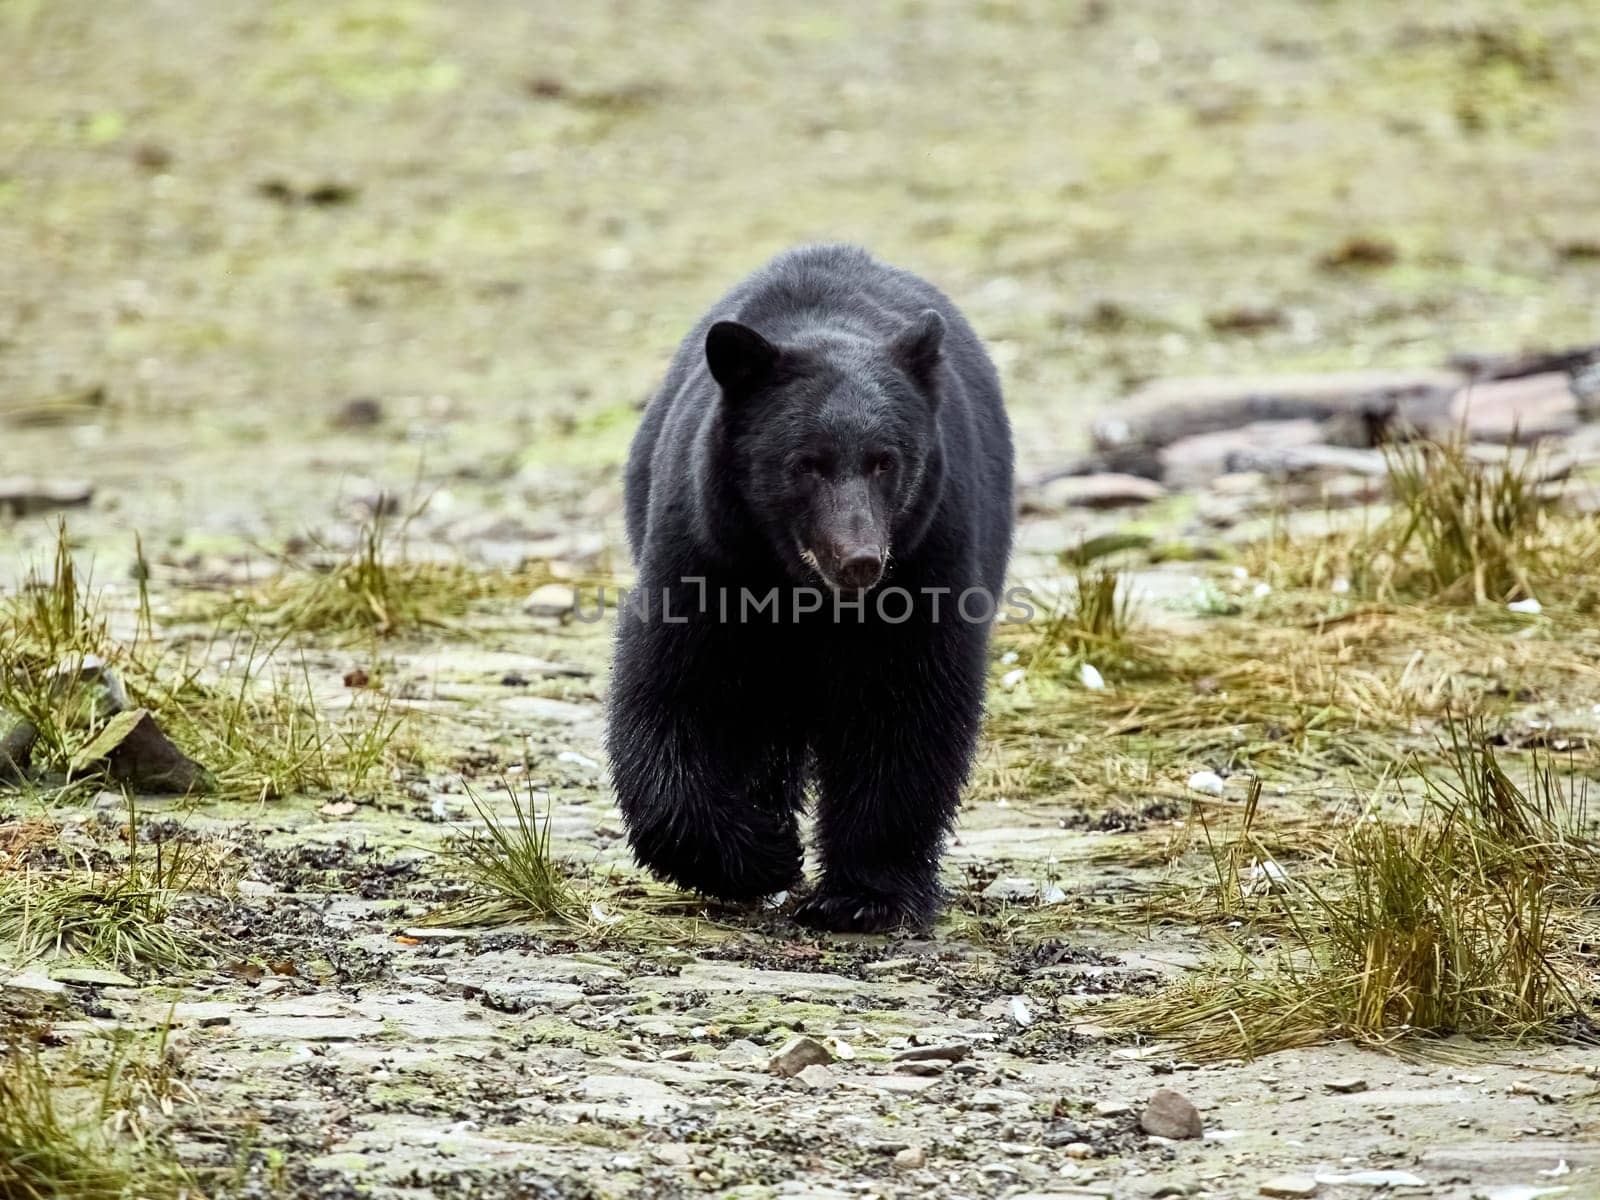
(1170, 1115)
(910, 1158)
(1290, 1186)
(817, 1077)
(1345, 1087)
(797, 1054)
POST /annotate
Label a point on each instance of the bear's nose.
(860, 566)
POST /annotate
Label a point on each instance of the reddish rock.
(1529, 408)
(1195, 461)
(1091, 491)
(1515, 366)
(1171, 409)
(797, 1054)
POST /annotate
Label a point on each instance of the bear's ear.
(916, 348)
(741, 360)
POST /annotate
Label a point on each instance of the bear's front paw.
(851, 910)
(728, 861)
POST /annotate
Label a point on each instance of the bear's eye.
(808, 467)
(882, 464)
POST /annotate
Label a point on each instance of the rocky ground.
(274, 276)
(361, 1050)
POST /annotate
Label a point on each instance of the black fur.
(836, 405)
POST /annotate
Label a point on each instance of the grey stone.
(1345, 1087)
(17, 737)
(1515, 1158)
(23, 495)
(139, 754)
(946, 1051)
(816, 1077)
(888, 966)
(1383, 1179)
(528, 995)
(993, 1099)
(549, 600)
(1318, 457)
(741, 1052)
(797, 1054)
(1011, 889)
(900, 1084)
(629, 1098)
(31, 996)
(290, 1027)
(1171, 1115)
(544, 708)
(91, 977)
(91, 686)
(1194, 461)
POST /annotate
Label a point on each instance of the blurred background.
(260, 262)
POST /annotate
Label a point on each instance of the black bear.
(819, 504)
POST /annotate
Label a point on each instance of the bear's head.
(832, 438)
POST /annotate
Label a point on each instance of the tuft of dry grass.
(1091, 621)
(1462, 527)
(121, 916)
(1463, 920)
(1476, 527)
(71, 1138)
(374, 590)
(260, 730)
(1301, 683)
(515, 876)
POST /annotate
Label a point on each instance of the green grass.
(109, 920)
(1090, 623)
(119, 915)
(514, 875)
(511, 866)
(52, 617)
(1345, 662)
(1475, 526)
